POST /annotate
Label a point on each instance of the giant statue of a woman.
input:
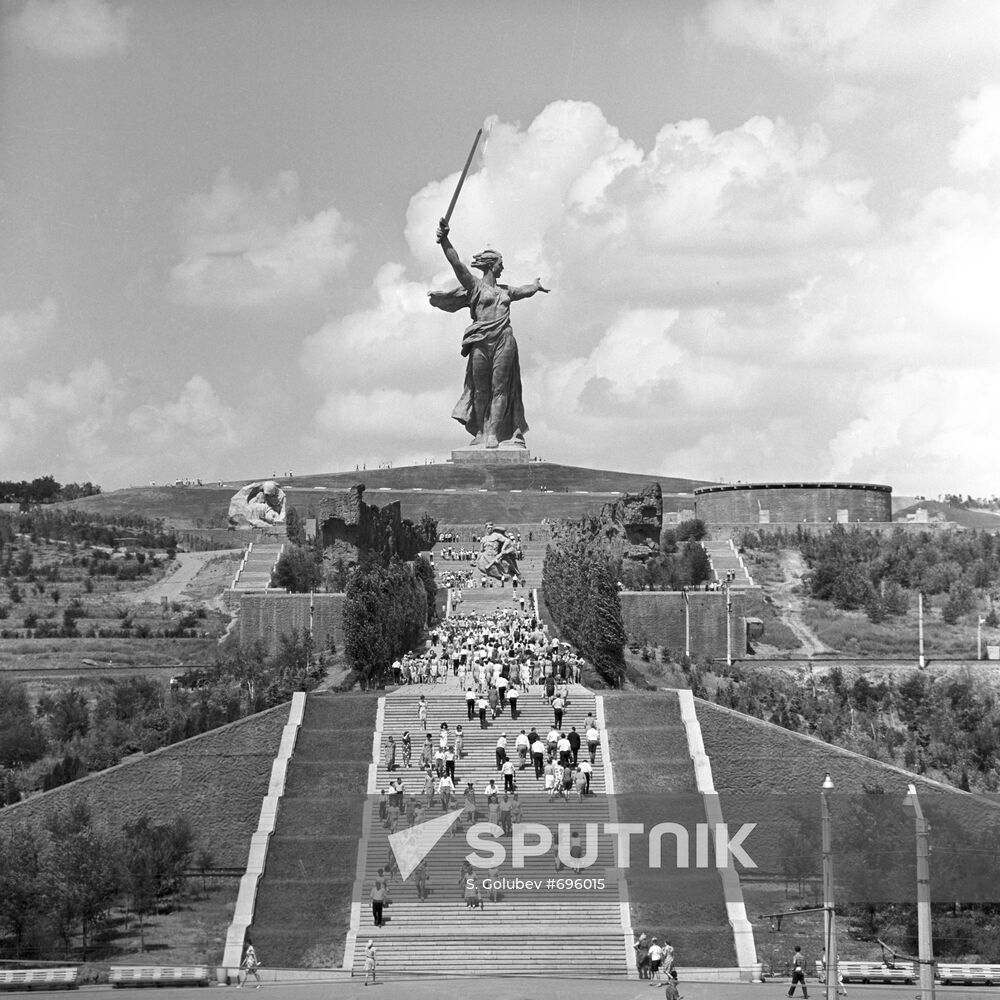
(491, 406)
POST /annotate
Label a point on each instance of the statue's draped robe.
(493, 340)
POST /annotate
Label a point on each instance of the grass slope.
(769, 776)
(961, 516)
(195, 507)
(303, 909)
(654, 783)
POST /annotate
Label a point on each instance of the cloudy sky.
(771, 229)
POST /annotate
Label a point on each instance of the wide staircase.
(542, 931)
(727, 564)
(257, 566)
(484, 600)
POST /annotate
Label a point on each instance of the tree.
(385, 612)
(693, 530)
(79, 874)
(425, 574)
(295, 527)
(20, 888)
(297, 571)
(21, 739)
(581, 593)
(961, 600)
(68, 714)
(153, 860)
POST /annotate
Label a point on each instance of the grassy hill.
(454, 494)
(961, 516)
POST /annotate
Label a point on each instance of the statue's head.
(488, 260)
(270, 488)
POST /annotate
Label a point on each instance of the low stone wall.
(658, 617)
(216, 780)
(266, 617)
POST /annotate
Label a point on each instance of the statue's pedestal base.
(504, 455)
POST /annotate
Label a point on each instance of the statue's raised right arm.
(463, 274)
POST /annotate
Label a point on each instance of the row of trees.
(860, 569)
(580, 591)
(77, 731)
(44, 489)
(63, 878)
(948, 727)
(85, 528)
(386, 610)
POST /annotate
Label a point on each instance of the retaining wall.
(266, 617)
(658, 617)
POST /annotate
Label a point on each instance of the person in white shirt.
(593, 739)
(538, 757)
(587, 769)
(446, 788)
(550, 780)
(508, 775)
(523, 748)
(564, 748)
(655, 960)
(501, 751)
(558, 705)
(512, 696)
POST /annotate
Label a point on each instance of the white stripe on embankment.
(746, 949)
(625, 910)
(366, 829)
(245, 901)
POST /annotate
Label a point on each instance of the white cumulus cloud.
(249, 248)
(724, 303)
(67, 420)
(859, 36)
(72, 29)
(977, 147)
(22, 330)
(196, 418)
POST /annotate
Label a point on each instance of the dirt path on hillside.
(187, 566)
(791, 604)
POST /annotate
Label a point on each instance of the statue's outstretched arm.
(463, 274)
(526, 291)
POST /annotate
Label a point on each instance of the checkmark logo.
(410, 847)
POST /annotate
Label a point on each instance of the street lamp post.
(729, 627)
(980, 622)
(829, 914)
(687, 625)
(925, 943)
(920, 627)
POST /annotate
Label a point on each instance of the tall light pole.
(687, 625)
(729, 627)
(829, 914)
(980, 622)
(920, 627)
(925, 943)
